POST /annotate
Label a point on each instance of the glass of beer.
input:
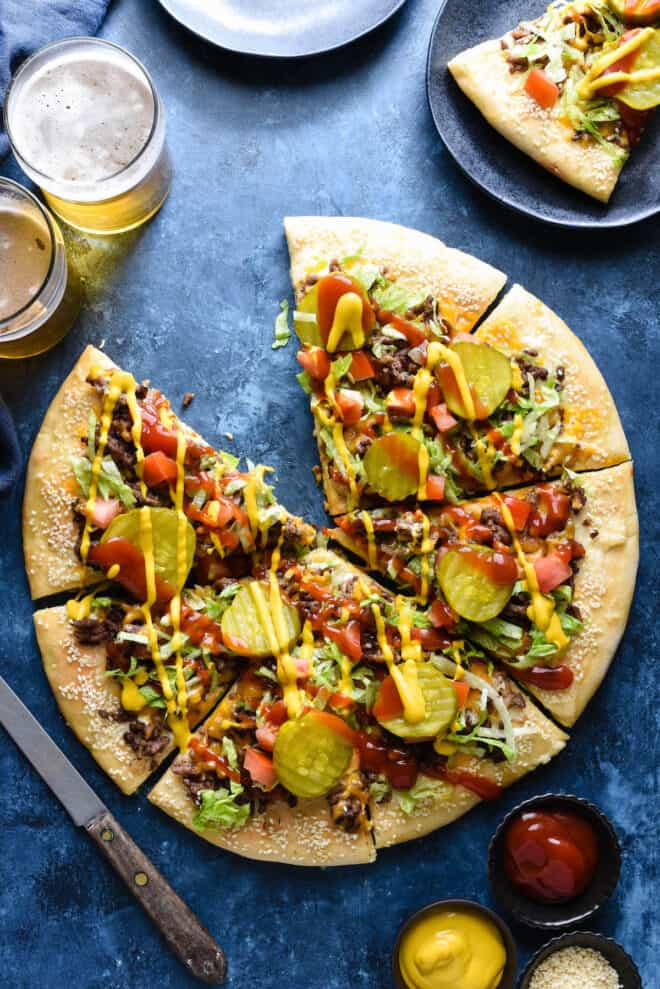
(86, 124)
(39, 295)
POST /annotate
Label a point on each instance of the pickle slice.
(308, 331)
(488, 374)
(309, 757)
(467, 587)
(392, 466)
(644, 95)
(645, 14)
(439, 702)
(164, 534)
(242, 624)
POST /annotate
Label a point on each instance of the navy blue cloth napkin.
(26, 25)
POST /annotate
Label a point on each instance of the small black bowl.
(554, 916)
(629, 977)
(511, 967)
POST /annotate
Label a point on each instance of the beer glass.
(39, 296)
(86, 124)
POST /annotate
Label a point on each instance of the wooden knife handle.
(186, 935)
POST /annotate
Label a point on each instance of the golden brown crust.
(76, 676)
(538, 740)
(592, 436)
(483, 74)
(464, 286)
(49, 531)
(603, 587)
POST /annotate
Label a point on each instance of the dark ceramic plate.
(281, 28)
(508, 975)
(554, 916)
(619, 959)
(493, 163)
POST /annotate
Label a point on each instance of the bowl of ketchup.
(554, 860)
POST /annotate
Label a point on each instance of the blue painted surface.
(191, 304)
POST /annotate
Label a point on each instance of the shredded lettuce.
(425, 788)
(305, 382)
(219, 808)
(380, 789)
(396, 298)
(282, 331)
(130, 672)
(341, 366)
(109, 482)
(367, 275)
(229, 752)
(152, 697)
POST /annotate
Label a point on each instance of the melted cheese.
(347, 319)
(404, 676)
(591, 83)
(542, 608)
(76, 610)
(516, 435)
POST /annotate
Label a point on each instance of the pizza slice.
(572, 88)
(540, 578)
(407, 406)
(109, 446)
(352, 700)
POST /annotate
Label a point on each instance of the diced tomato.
(158, 468)
(434, 396)
(276, 713)
(542, 89)
(215, 514)
(131, 574)
(260, 767)
(430, 638)
(461, 689)
(624, 64)
(349, 404)
(441, 615)
(330, 289)
(334, 723)
(443, 420)
(340, 700)
(435, 488)
(520, 510)
(361, 367)
(551, 571)
(414, 334)
(316, 362)
(303, 668)
(266, 735)
(200, 629)
(347, 638)
(388, 703)
(648, 8)
(401, 403)
(105, 509)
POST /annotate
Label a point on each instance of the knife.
(190, 941)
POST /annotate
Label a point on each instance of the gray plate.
(281, 28)
(499, 168)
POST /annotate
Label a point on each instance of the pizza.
(406, 403)
(540, 577)
(322, 709)
(572, 88)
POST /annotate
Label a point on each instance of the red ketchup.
(550, 855)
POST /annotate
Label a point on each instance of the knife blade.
(186, 935)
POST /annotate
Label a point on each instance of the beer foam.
(82, 117)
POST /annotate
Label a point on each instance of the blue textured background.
(190, 301)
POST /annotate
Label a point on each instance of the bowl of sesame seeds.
(581, 960)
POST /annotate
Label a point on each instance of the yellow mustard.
(450, 949)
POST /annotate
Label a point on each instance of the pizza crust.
(483, 74)
(76, 677)
(540, 742)
(603, 588)
(464, 285)
(593, 436)
(301, 835)
(49, 531)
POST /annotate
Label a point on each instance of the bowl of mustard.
(454, 944)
